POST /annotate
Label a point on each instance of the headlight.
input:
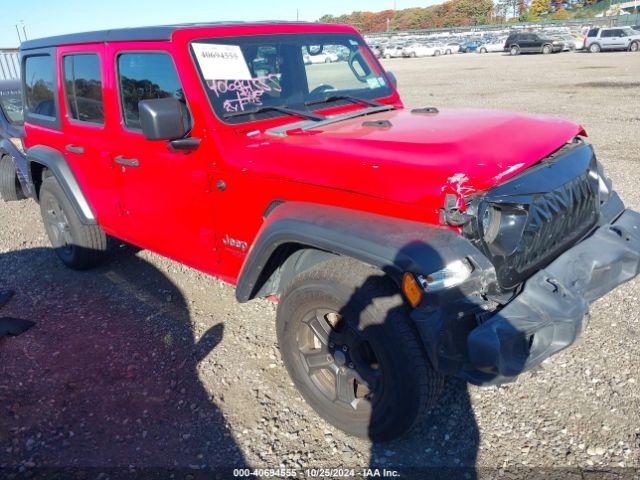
(491, 224)
(502, 227)
(452, 275)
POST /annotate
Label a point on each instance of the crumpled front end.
(549, 242)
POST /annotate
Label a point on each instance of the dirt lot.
(145, 363)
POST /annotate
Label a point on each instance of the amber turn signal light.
(411, 289)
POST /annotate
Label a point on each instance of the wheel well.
(37, 175)
(287, 261)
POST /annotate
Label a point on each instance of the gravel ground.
(146, 363)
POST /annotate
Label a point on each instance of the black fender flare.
(393, 245)
(57, 164)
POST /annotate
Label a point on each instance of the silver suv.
(619, 38)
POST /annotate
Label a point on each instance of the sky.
(54, 17)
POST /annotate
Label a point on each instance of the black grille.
(556, 220)
(559, 198)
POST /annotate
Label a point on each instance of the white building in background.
(9, 64)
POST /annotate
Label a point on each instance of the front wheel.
(634, 47)
(346, 339)
(483, 50)
(547, 49)
(79, 246)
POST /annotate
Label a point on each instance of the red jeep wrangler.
(404, 245)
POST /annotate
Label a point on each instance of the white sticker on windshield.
(221, 62)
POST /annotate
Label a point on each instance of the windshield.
(11, 104)
(247, 73)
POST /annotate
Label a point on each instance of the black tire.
(634, 47)
(547, 50)
(595, 48)
(386, 378)
(514, 50)
(10, 189)
(483, 50)
(78, 246)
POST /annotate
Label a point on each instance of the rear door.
(82, 75)
(165, 196)
(607, 41)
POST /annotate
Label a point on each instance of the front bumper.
(553, 308)
(464, 338)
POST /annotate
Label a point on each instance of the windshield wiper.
(276, 108)
(350, 98)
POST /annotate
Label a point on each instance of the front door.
(165, 195)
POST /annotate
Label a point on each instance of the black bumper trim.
(553, 308)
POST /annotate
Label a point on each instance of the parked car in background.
(322, 57)
(492, 46)
(393, 51)
(608, 39)
(531, 42)
(12, 154)
(571, 43)
(422, 50)
(469, 46)
(451, 48)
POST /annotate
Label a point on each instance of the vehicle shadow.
(444, 443)
(109, 376)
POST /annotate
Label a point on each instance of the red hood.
(419, 157)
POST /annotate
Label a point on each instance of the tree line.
(463, 13)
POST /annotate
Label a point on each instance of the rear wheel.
(634, 47)
(595, 48)
(483, 50)
(346, 339)
(79, 246)
(10, 188)
(515, 50)
(436, 53)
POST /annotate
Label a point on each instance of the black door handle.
(127, 162)
(75, 149)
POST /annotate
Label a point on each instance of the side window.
(39, 78)
(607, 34)
(593, 32)
(83, 87)
(145, 76)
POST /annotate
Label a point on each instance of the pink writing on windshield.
(237, 94)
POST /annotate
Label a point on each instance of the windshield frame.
(388, 91)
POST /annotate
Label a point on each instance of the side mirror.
(393, 78)
(162, 119)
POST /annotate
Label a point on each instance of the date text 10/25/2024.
(316, 473)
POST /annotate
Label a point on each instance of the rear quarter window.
(39, 78)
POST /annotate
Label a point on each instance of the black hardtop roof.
(141, 34)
